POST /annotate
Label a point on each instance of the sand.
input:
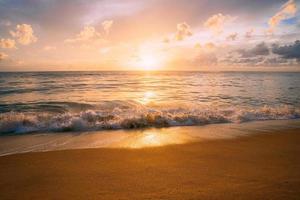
(260, 166)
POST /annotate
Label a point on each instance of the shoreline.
(259, 166)
(138, 138)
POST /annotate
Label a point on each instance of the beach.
(149, 100)
(159, 135)
(256, 166)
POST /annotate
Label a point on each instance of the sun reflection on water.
(148, 97)
(154, 138)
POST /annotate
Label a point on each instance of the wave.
(129, 115)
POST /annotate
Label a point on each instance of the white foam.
(137, 116)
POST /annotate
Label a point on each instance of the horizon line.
(149, 71)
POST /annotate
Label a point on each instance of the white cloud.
(24, 34)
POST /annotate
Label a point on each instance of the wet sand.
(259, 166)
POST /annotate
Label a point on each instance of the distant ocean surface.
(89, 101)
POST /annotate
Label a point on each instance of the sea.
(55, 102)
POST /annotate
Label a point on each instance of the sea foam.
(135, 115)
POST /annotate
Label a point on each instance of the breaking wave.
(134, 115)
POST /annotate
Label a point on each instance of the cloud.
(197, 45)
(275, 61)
(249, 33)
(201, 59)
(24, 34)
(124, 29)
(260, 49)
(217, 22)
(210, 45)
(166, 40)
(288, 51)
(183, 31)
(232, 37)
(288, 10)
(254, 61)
(107, 25)
(254, 56)
(49, 48)
(262, 61)
(262, 55)
(3, 56)
(7, 43)
(88, 33)
(205, 59)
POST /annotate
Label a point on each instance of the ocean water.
(39, 102)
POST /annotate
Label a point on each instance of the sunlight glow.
(148, 97)
(149, 62)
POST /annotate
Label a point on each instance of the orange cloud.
(7, 43)
(24, 34)
(3, 56)
(107, 25)
(166, 40)
(197, 46)
(288, 10)
(49, 48)
(88, 33)
(183, 31)
(217, 22)
(232, 36)
(209, 45)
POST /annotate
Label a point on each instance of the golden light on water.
(151, 139)
(154, 138)
(148, 97)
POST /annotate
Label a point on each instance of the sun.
(149, 62)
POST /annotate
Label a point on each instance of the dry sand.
(255, 167)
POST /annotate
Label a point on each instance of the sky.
(217, 35)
